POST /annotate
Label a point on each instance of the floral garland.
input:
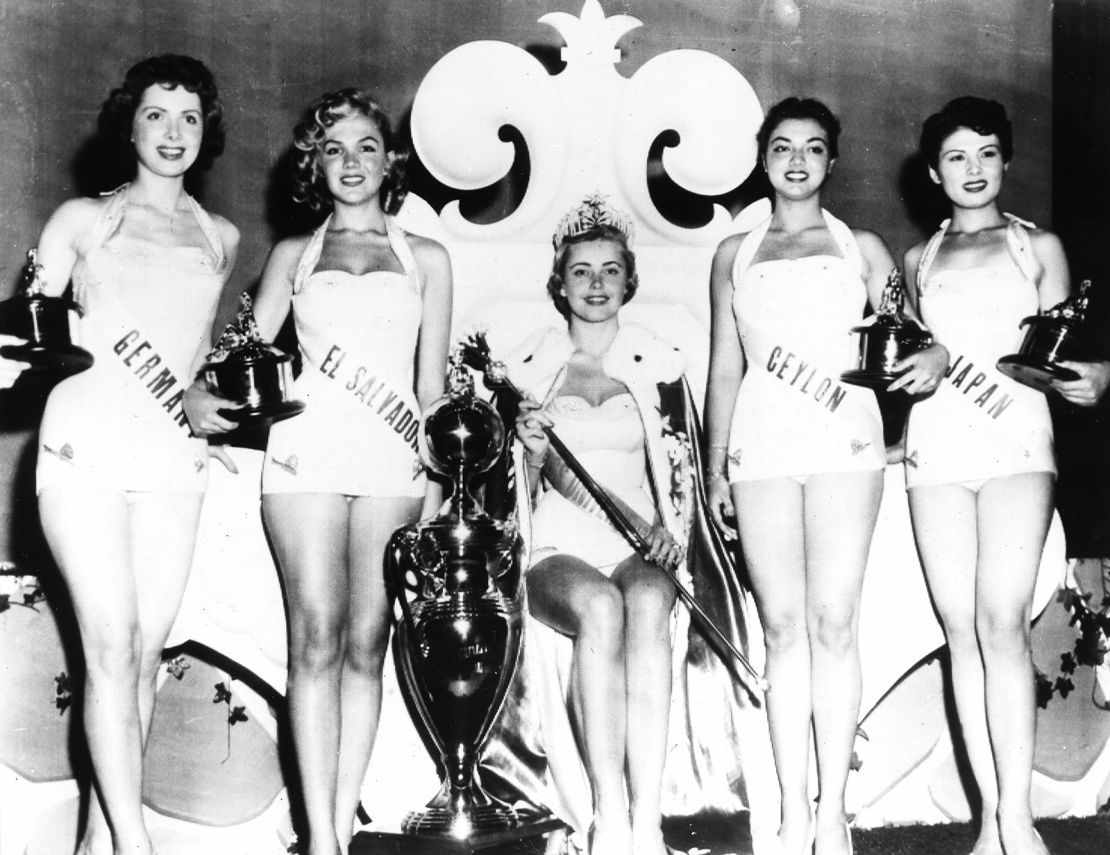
(681, 456)
(1091, 647)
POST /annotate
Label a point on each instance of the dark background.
(882, 65)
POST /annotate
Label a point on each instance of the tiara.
(591, 213)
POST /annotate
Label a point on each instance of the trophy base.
(263, 415)
(870, 379)
(385, 840)
(57, 359)
(1033, 372)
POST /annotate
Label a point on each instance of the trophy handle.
(404, 638)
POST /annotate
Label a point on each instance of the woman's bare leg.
(373, 522)
(945, 525)
(126, 564)
(1014, 514)
(309, 532)
(574, 599)
(648, 599)
(840, 514)
(769, 516)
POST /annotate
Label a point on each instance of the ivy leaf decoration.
(1068, 663)
(1064, 686)
(177, 668)
(223, 694)
(237, 714)
(1044, 690)
(63, 692)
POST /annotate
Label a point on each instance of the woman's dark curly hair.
(981, 115)
(555, 281)
(800, 108)
(170, 70)
(309, 186)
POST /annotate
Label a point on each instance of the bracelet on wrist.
(715, 473)
(534, 462)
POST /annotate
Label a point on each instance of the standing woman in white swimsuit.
(372, 309)
(120, 475)
(799, 457)
(979, 461)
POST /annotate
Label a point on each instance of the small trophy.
(457, 583)
(47, 325)
(257, 376)
(1051, 338)
(890, 337)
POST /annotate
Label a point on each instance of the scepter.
(475, 353)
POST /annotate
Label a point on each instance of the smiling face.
(354, 159)
(595, 280)
(970, 168)
(797, 158)
(167, 129)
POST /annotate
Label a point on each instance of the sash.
(139, 356)
(356, 377)
(974, 377)
(359, 384)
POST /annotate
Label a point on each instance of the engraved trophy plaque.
(890, 337)
(47, 325)
(1051, 338)
(456, 581)
(243, 368)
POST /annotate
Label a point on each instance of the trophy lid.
(242, 341)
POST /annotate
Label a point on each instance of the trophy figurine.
(1051, 338)
(890, 337)
(47, 325)
(243, 368)
(456, 582)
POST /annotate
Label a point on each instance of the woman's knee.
(833, 630)
(1002, 631)
(366, 646)
(649, 602)
(114, 652)
(601, 615)
(316, 642)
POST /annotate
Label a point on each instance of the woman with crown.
(798, 458)
(601, 383)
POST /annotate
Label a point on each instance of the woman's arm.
(435, 329)
(1054, 282)
(57, 247)
(726, 370)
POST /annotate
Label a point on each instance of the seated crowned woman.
(604, 386)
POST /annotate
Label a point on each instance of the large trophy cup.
(456, 581)
(1052, 338)
(47, 325)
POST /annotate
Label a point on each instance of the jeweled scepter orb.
(456, 581)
